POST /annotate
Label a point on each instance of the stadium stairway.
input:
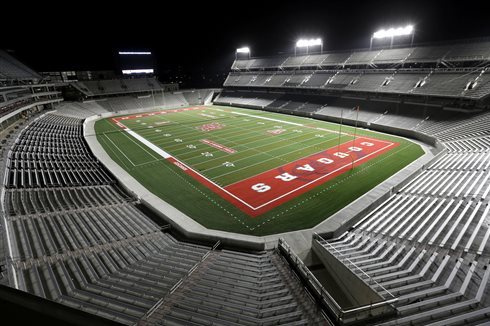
(239, 289)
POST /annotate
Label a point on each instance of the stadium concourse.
(79, 245)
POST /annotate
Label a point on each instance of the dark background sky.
(201, 37)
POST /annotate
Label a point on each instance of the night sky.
(200, 38)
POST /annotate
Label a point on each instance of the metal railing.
(342, 316)
(159, 303)
(351, 265)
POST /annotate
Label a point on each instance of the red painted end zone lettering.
(277, 186)
(218, 146)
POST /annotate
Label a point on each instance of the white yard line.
(120, 150)
(114, 151)
(193, 131)
(272, 157)
(259, 152)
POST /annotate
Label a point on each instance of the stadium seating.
(80, 240)
(118, 86)
(14, 98)
(468, 51)
(438, 82)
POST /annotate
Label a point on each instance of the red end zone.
(259, 194)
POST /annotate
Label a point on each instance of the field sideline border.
(300, 241)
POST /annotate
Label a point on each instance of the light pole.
(392, 33)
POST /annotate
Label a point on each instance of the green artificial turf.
(257, 150)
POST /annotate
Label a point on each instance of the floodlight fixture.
(242, 51)
(245, 49)
(137, 71)
(307, 43)
(134, 53)
(392, 33)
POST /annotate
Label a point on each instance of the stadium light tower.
(392, 33)
(307, 43)
(244, 50)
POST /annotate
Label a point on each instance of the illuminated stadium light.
(243, 50)
(134, 53)
(304, 43)
(307, 43)
(392, 32)
(137, 71)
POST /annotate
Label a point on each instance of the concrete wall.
(356, 289)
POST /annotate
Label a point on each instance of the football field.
(251, 171)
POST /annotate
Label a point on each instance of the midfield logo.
(276, 131)
(210, 126)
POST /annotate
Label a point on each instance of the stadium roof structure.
(13, 69)
(453, 71)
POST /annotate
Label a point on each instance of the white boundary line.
(302, 125)
(120, 150)
(166, 155)
(286, 122)
(152, 146)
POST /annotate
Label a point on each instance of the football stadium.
(317, 186)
